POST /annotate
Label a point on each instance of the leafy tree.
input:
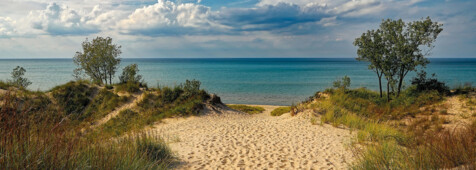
(372, 50)
(342, 84)
(18, 79)
(397, 48)
(99, 59)
(129, 74)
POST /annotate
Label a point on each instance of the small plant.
(344, 83)
(17, 78)
(280, 111)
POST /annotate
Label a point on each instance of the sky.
(222, 28)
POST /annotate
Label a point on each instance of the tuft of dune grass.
(281, 110)
(247, 109)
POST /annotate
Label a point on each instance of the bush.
(423, 84)
(5, 85)
(17, 78)
(342, 84)
(129, 74)
(280, 111)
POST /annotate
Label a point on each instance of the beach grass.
(385, 141)
(280, 111)
(37, 136)
(247, 109)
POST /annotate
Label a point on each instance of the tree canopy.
(397, 48)
(99, 59)
(17, 78)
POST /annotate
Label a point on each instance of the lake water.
(278, 81)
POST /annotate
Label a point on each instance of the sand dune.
(233, 140)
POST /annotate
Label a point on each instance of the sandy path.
(136, 98)
(239, 141)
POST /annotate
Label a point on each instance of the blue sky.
(222, 28)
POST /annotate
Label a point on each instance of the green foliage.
(130, 87)
(395, 49)
(423, 84)
(99, 59)
(129, 74)
(17, 78)
(159, 104)
(247, 109)
(280, 111)
(342, 84)
(73, 97)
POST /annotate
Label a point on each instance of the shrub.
(129, 74)
(423, 84)
(17, 78)
(247, 109)
(342, 84)
(280, 111)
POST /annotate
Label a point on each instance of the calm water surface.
(280, 81)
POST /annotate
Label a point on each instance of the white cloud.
(166, 17)
(61, 20)
(7, 27)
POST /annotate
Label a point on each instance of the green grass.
(73, 97)
(280, 111)
(130, 87)
(160, 103)
(102, 104)
(36, 137)
(5, 85)
(247, 109)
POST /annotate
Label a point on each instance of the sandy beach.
(227, 139)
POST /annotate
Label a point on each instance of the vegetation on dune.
(247, 109)
(281, 110)
(73, 97)
(184, 100)
(35, 136)
(103, 103)
(389, 142)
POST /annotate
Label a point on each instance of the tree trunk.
(399, 85)
(388, 91)
(380, 85)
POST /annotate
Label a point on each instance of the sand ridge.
(235, 140)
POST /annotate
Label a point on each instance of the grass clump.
(247, 109)
(5, 85)
(280, 111)
(73, 97)
(130, 87)
(102, 104)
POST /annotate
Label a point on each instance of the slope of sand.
(234, 140)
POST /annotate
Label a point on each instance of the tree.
(372, 50)
(18, 79)
(397, 48)
(99, 59)
(129, 74)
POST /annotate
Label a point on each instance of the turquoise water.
(244, 81)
